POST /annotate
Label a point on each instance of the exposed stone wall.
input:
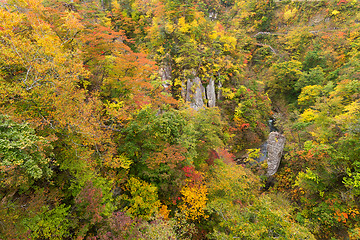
(275, 148)
(192, 89)
(165, 74)
(219, 94)
(194, 92)
(210, 93)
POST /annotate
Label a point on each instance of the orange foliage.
(171, 155)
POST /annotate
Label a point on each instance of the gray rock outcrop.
(210, 93)
(219, 94)
(165, 74)
(192, 88)
(275, 148)
(195, 92)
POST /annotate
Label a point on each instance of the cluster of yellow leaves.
(183, 27)
(144, 201)
(309, 94)
(120, 161)
(253, 154)
(350, 114)
(221, 35)
(327, 107)
(290, 13)
(228, 93)
(296, 39)
(194, 201)
(308, 115)
(335, 12)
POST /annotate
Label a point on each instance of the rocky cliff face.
(275, 148)
(193, 90)
(210, 93)
(197, 95)
(165, 74)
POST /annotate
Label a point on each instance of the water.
(272, 125)
(263, 152)
(263, 147)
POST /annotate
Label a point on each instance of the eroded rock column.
(210, 93)
(275, 148)
(195, 92)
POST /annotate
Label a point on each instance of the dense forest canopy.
(147, 119)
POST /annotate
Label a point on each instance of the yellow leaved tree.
(194, 198)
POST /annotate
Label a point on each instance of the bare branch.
(27, 75)
(265, 45)
(268, 33)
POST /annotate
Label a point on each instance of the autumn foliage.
(98, 139)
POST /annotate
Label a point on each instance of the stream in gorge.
(263, 147)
